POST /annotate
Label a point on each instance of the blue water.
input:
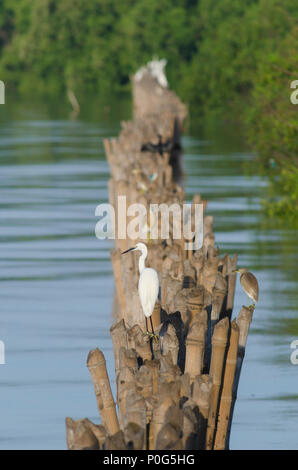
(57, 285)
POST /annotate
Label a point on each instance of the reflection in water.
(57, 283)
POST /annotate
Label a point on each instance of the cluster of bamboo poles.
(178, 392)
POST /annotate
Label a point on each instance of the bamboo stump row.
(178, 392)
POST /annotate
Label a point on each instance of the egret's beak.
(129, 249)
(235, 271)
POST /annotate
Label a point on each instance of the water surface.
(57, 283)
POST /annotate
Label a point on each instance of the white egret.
(148, 285)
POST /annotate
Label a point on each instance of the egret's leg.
(147, 325)
(152, 326)
(248, 300)
(153, 334)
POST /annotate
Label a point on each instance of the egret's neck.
(143, 250)
(142, 262)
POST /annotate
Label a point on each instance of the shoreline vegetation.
(233, 59)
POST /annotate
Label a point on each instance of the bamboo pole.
(226, 395)
(190, 422)
(189, 275)
(119, 338)
(140, 341)
(185, 386)
(219, 342)
(195, 301)
(134, 437)
(116, 442)
(135, 409)
(168, 371)
(168, 438)
(154, 366)
(218, 295)
(164, 401)
(201, 395)
(243, 320)
(97, 367)
(144, 382)
(169, 343)
(155, 317)
(117, 269)
(84, 435)
(197, 261)
(232, 265)
(210, 269)
(125, 380)
(195, 343)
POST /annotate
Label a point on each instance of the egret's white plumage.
(148, 290)
(148, 282)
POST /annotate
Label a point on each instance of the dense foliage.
(236, 57)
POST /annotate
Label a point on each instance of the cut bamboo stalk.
(195, 301)
(195, 344)
(189, 275)
(243, 321)
(119, 338)
(174, 415)
(156, 315)
(97, 367)
(210, 268)
(173, 421)
(189, 425)
(117, 269)
(84, 435)
(166, 266)
(177, 298)
(170, 388)
(125, 380)
(135, 409)
(219, 342)
(158, 417)
(169, 343)
(141, 342)
(144, 383)
(232, 265)
(185, 386)
(116, 308)
(154, 367)
(218, 295)
(112, 196)
(147, 385)
(116, 442)
(201, 394)
(198, 260)
(169, 372)
(99, 432)
(224, 263)
(134, 437)
(168, 438)
(226, 395)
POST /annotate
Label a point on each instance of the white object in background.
(156, 69)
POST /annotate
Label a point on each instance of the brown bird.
(249, 284)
